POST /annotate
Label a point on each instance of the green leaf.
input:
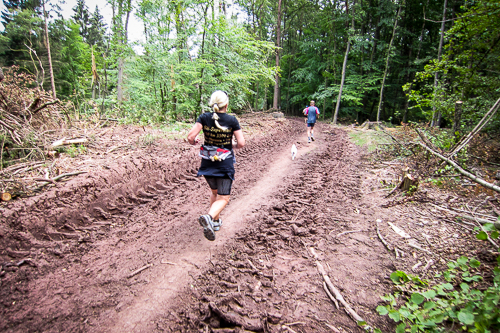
(417, 298)
(401, 328)
(361, 323)
(429, 294)
(489, 227)
(448, 286)
(429, 305)
(394, 315)
(494, 234)
(462, 260)
(466, 317)
(382, 310)
(429, 323)
(465, 287)
(405, 313)
(482, 236)
(399, 277)
(474, 263)
(387, 298)
(438, 318)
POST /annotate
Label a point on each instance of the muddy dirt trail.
(120, 249)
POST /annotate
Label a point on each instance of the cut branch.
(335, 291)
(462, 171)
(487, 117)
(139, 270)
(64, 141)
(381, 238)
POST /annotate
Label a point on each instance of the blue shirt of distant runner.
(311, 113)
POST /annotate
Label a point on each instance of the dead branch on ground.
(348, 309)
(487, 117)
(462, 171)
(381, 238)
(134, 273)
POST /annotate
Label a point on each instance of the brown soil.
(68, 254)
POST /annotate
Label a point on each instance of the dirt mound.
(119, 249)
(266, 277)
(69, 250)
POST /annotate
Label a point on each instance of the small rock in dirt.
(297, 231)
(279, 208)
(274, 318)
(313, 231)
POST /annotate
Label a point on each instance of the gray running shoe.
(208, 229)
(308, 140)
(217, 224)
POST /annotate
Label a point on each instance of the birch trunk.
(278, 37)
(436, 118)
(52, 82)
(381, 98)
(344, 65)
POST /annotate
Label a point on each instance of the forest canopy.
(397, 61)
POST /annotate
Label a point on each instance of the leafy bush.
(458, 301)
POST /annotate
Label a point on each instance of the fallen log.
(482, 221)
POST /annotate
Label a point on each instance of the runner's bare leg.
(220, 201)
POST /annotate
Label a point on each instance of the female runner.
(217, 164)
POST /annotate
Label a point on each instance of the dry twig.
(134, 273)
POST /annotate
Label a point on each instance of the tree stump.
(5, 196)
(374, 125)
(409, 183)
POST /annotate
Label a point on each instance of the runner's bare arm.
(193, 133)
(240, 140)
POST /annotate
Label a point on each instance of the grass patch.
(369, 139)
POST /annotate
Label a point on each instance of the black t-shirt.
(215, 136)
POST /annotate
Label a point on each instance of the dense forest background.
(397, 61)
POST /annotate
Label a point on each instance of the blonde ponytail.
(219, 99)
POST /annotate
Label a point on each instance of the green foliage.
(468, 69)
(368, 139)
(165, 85)
(455, 301)
(487, 230)
(74, 150)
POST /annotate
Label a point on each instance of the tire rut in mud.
(83, 239)
(266, 276)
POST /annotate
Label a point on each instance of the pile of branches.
(27, 111)
(423, 143)
(28, 114)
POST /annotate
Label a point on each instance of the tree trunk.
(200, 85)
(387, 61)
(119, 86)
(407, 103)
(436, 118)
(52, 82)
(278, 37)
(337, 106)
(458, 117)
(264, 107)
